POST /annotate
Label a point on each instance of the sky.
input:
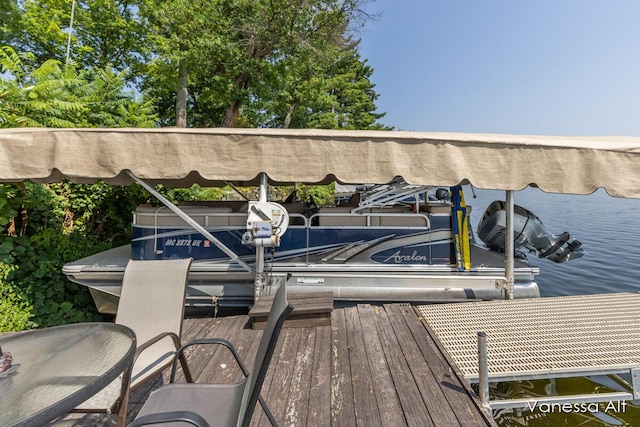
(555, 67)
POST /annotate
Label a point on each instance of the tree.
(192, 40)
(9, 21)
(50, 95)
(216, 59)
(105, 33)
(325, 91)
(33, 96)
(223, 57)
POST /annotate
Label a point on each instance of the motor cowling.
(529, 233)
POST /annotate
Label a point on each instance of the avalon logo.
(399, 258)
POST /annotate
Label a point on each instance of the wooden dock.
(372, 366)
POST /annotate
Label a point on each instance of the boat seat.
(408, 220)
(164, 217)
(342, 219)
(353, 201)
(296, 208)
(237, 220)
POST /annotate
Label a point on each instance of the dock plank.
(223, 368)
(320, 383)
(277, 384)
(342, 403)
(201, 357)
(421, 367)
(364, 394)
(297, 407)
(386, 396)
(408, 369)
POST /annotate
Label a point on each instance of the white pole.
(73, 8)
(509, 246)
(259, 281)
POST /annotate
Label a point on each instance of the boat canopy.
(180, 157)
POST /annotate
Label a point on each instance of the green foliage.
(322, 195)
(105, 32)
(193, 194)
(33, 250)
(9, 18)
(41, 27)
(38, 262)
(328, 91)
(52, 96)
(15, 308)
(108, 101)
(34, 96)
(255, 63)
(102, 211)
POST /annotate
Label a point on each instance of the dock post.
(509, 245)
(483, 369)
(259, 281)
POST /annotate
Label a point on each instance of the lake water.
(609, 229)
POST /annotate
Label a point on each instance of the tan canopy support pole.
(191, 222)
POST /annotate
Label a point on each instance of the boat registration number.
(310, 280)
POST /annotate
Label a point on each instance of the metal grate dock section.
(543, 337)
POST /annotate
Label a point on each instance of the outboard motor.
(529, 232)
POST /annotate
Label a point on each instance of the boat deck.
(374, 365)
(555, 337)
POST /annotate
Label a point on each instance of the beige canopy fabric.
(180, 157)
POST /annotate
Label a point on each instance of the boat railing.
(147, 216)
(203, 215)
(377, 217)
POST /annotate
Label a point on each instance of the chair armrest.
(176, 343)
(234, 352)
(168, 417)
(150, 342)
(208, 341)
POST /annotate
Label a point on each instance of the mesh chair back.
(152, 302)
(279, 312)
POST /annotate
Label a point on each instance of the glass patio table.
(59, 368)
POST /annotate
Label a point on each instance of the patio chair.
(151, 303)
(219, 404)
